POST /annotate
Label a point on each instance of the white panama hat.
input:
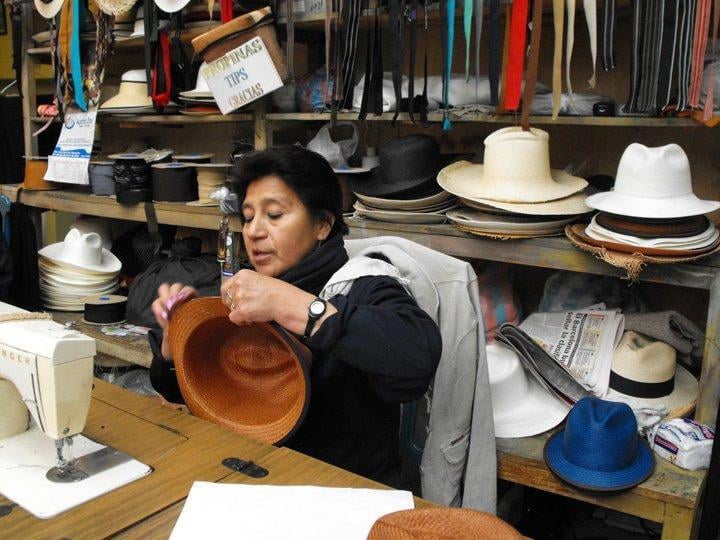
(516, 169)
(83, 251)
(652, 183)
(647, 371)
(201, 90)
(521, 407)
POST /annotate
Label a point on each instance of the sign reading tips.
(241, 75)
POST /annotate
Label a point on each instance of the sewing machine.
(47, 369)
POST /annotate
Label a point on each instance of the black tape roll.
(105, 309)
(174, 182)
(134, 196)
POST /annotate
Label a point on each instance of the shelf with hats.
(436, 117)
(163, 119)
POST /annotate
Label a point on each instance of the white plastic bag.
(337, 153)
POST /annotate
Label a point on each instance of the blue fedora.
(599, 449)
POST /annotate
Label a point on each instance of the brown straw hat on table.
(213, 44)
(251, 379)
(441, 524)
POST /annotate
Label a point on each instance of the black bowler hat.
(408, 166)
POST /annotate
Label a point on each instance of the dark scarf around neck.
(315, 270)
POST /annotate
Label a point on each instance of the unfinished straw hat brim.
(687, 205)
(441, 524)
(468, 180)
(569, 206)
(115, 7)
(251, 379)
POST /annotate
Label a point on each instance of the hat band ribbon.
(641, 389)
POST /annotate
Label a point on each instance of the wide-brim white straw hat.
(521, 407)
(83, 251)
(201, 90)
(132, 93)
(653, 183)
(516, 169)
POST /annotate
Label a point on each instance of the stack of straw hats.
(515, 193)
(403, 187)
(652, 212)
(74, 269)
(199, 101)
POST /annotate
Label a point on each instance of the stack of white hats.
(74, 269)
(514, 193)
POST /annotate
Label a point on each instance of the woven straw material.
(251, 379)
(441, 524)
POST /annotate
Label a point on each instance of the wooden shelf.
(435, 117)
(175, 119)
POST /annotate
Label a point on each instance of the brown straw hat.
(441, 524)
(251, 379)
(216, 42)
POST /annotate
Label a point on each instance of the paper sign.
(241, 75)
(70, 159)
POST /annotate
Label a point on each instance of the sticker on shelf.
(242, 75)
(69, 161)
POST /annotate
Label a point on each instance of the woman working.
(373, 348)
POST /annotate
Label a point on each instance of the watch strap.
(312, 318)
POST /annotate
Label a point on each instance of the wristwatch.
(316, 309)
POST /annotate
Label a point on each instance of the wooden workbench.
(181, 449)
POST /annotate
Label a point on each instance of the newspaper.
(582, 341)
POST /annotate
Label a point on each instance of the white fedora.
(83, 251)
(132, 93)
(201, 90)
(516, 169)
(646, 371)
(521, 407)
(48, 9)
(652, 183)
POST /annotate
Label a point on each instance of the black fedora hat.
(408, 166)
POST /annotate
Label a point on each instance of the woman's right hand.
(169, 298)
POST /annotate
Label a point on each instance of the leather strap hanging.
(376, 97)
(75, 57)
(368, 73)
(423, 99)
(558, 23)
(348, 64)
(226, 11)
(685, 54)
(668, 62)
(290, 28)
(150, 29)
(395, 28)
(467, 30)
(446, 125)
(569, 43)
(479, 12)
(412, 17)
(702, 26)
(505, 59)
(337, 85)
(162, 79)
(635, 47)
(328, 38)
(608, 35)
(590, 8)
(715, 24)
(63, 66)
(494, 51)
(516, 57)
(532, 70)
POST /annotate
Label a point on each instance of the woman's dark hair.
(306, 172)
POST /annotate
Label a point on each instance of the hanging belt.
(447, 126)
(290, 45)
(505, 59)
(558, 23)
(608, 35)
(424, 100)
(494, 51)
(368, 73)
(226, 10)
(590, 7)
(75, 60)
(336, 67)
(667, 64)
(376, 94)
(162, 79)
(533, 61)
(348, 66)
(395, 27)
(631, 105)
(17, 55)
(328, 38)
(412, 16)
(702, 26)
(516, 58)
(479, 12)
(467, 29)
(685, 54)
(569, 43)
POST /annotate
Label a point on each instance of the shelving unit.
(670, 496)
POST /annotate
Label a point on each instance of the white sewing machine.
(47, 466)
(51, 368)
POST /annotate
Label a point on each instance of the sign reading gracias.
(242, 75)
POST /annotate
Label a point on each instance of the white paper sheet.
(25, 459)
(280, 512)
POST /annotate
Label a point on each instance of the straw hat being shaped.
(132, 93)
(516, 169)
(83, 251)
(441, 524)
(646, 370)
(653, 183)
(251, 379)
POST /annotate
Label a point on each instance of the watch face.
(317, 308)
